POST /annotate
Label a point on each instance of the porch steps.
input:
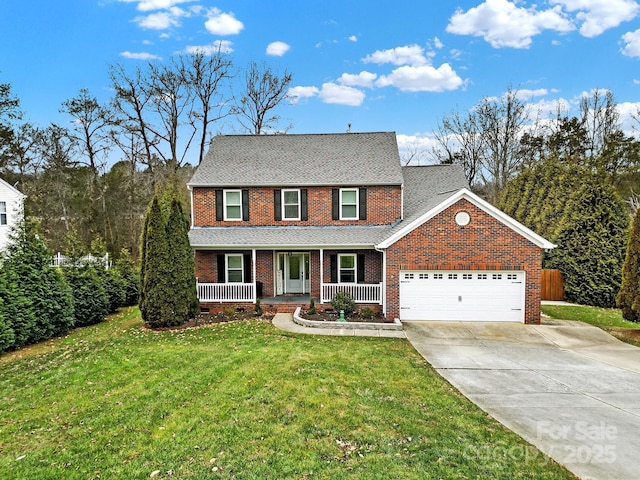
(286, 308)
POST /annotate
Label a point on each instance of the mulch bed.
(213, 318)
(333, 317)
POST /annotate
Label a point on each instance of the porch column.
(384, 282)
(321, 275)
(255, 280)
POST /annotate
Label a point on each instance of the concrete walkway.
(569, 388)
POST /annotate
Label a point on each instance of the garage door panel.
(457, 296)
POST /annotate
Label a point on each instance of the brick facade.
(483, 244)
(383, 208)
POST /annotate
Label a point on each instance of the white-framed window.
(347, 268)
(291, 204)
(349, 204)
(3, 213)
(234, 268)
(233, 204)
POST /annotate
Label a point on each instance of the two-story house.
(312, 215)
(11, 210)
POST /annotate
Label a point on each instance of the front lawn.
(242, 400)
(609, 319)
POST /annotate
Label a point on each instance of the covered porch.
(283, 276)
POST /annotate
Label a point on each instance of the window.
(408, 276)
(496, 276)
(423, 276)
(3, 213)
(452, 276)
(234, 268)
(482, 276)
(232, 205)
(291, 204)
(349, 204)
(467, 276)
(512, 276)
(437, 276)
(347, 268)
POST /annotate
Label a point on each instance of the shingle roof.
(299, 160)
(424, 188)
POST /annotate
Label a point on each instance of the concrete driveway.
(568, 388)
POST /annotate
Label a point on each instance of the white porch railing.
(225, 292)
(360, 292)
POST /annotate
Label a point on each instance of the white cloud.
(224, 46)
(140, 55)
(341, 95)
(503, 24)
(632, 44)
(150, 5)
(296, 93)
(437, 43)
(600, 15)
(353, 38)
(527, 94)
(417, 148)
(425, 78)
(220, 23)
(362, 79)
(407, 55)
(277, 49)
(159, 21)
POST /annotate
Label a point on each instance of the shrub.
(258, 309)
(130, 277)
(343, 301)
(367, 313)
(628, 299)
(90, 298)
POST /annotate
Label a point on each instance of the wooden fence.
(552, 287)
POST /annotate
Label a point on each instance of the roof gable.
(299, 160)
(7, 187)
(478, 202)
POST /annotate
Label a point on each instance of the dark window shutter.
(219, 206)
(360, 267)
(277, 204)
(246, 264)
(363, 204)
(221, 268)
(333, 264)
(335, 204)
(304, 205)
(245, 205)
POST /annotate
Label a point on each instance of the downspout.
(191, 196)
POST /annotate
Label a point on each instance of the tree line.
(97, 175)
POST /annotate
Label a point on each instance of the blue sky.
(377, 65)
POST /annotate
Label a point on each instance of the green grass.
(243, 400)
(599, 317)
(608, 319)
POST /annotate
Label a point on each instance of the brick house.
(283, 217)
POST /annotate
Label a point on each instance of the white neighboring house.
(11, 210)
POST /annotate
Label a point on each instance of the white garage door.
(495, 296)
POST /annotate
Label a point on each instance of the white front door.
(296, 272)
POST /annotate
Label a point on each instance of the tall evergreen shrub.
(36, 301)
(628, 299)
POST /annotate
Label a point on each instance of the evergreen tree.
(155, 289)
(130, 277)
(628, 299)
(90, 298)
(36, 300)
(185, 297)
(579, 211)
(168, 294)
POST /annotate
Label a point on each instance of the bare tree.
(460, 141)
(600, 118)
(205, 77)
(264, 90)
(130, 103)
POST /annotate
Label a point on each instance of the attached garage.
(462, 295)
